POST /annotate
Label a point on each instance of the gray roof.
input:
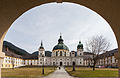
(108, 53)
(11, 54)
(60, 46)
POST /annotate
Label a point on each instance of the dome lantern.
(80, 45)
(60, 40)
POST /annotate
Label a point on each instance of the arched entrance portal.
(11, 10)
(61, 63)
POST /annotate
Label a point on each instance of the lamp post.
(54, 65)
(43, 65)
(73, 66)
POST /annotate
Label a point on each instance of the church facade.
(61, 56)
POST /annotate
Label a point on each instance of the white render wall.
(66, 61)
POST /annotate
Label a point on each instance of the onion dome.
(80, 45)
(61, 45)
(41, 46)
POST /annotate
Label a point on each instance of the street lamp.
(73, 66)
(54, 65)
(43, 65)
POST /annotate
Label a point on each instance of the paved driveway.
(59, 73)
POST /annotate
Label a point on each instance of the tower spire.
(60, 35)
(41, 43)
(41, 46)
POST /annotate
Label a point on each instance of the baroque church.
(61, 56)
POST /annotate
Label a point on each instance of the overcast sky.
(45, 23)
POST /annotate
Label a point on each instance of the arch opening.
(60, 62)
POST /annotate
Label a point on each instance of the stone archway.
(10, 10)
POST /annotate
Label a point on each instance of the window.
(60, 53)
(40, 59)
(65, 53)
(8, 65)
(53, 63)
(80, 54)
(80, 63)
(40, 53)
(5, 65)
(56, 53)
(67, 63)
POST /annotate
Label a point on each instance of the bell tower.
(41, 50)
(80, 49)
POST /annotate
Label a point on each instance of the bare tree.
(96, 45)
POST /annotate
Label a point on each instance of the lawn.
(88, 72)
(26, 72)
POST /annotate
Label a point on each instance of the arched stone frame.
(11, 10)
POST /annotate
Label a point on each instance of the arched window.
(80, 62)
(68, 63)
(80, 54)
(60, 53)
(65, 53)
(53, 63)
(56, 53)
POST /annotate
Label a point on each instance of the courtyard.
(12, 10)
(88, 72)
(36, 72)
(26, 72)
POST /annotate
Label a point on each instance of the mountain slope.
(14, 48)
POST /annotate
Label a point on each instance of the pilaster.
(2, 55)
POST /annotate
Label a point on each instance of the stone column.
(1, 60)
(2, 55)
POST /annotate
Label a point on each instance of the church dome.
(80, 45)
(60, 45)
